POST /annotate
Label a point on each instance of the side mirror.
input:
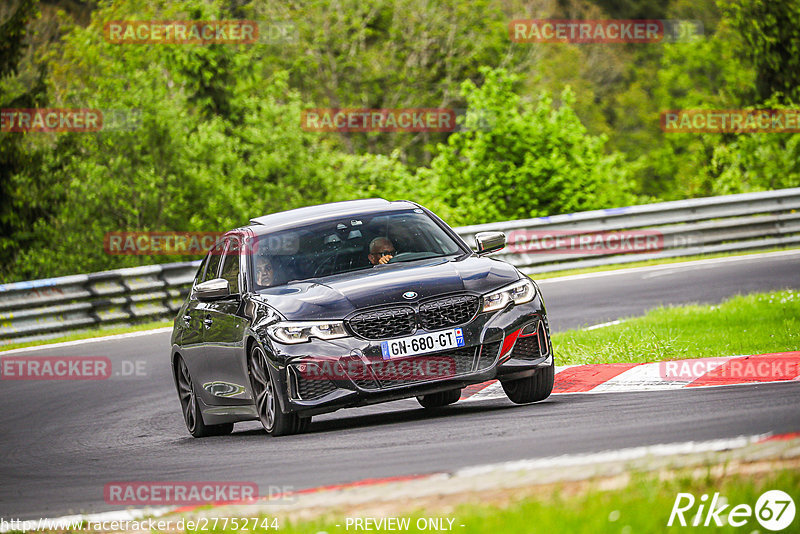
(217, 288)
(489, 242)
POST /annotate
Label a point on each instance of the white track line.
(603, 325)
(568, 460)
(87, 340)
(677, 265)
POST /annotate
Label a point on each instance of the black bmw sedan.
(311, 310)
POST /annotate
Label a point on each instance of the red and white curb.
(675, 374)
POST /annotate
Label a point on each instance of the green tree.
(391, 54)
(518, 160)
(191, 156)
(23, 197)
(769, 39)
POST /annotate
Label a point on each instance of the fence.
(45, 308)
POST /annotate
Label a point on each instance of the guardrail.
(46, 308)
(683, 228)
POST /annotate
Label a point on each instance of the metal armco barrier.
(709, 225)
(42, 308)
(751, 221)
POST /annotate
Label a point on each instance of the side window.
(230, 265)
(199, 276)
(213, 260)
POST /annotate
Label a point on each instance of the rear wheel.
(531, 389)
(190, 406)
(437, 400)
(274, 421)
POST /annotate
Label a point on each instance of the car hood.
(335, 297)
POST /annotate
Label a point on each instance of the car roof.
(311, 214)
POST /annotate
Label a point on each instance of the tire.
(531, 389)
(190, 406)
(437, 400)
(274, 421)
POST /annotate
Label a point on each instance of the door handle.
(208, 321)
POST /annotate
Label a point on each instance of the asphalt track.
(62, 441)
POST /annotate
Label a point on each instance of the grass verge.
(750, 324)
(659, 261)
(87, 334)
(643, 504)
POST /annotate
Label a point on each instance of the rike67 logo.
(774, 510)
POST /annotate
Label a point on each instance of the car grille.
(450, 311)
(381, 324)
(402, 320)
(313, 388)
(309, 381)
(526, 348)
(488, 355)
(360, 374)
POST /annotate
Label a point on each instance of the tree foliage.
(212, 133)
(768, 34)
(24, 198)
(518, 159)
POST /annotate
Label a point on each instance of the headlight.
(518, 292)
(290, 333)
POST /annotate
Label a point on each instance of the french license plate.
(422, 343)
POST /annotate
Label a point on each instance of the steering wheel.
(403, 256)
(411, 256)
(327, 263)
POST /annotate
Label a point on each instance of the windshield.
(347, 244)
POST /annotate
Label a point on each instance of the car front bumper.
(324, 376)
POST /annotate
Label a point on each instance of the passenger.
(265, 274)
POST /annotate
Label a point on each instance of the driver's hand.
(385, 259)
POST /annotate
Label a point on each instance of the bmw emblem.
(409, 295)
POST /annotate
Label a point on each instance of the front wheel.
(274, 421)
(532, 388)
(437, 400)
(190, 406)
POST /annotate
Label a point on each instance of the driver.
(381, 250)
